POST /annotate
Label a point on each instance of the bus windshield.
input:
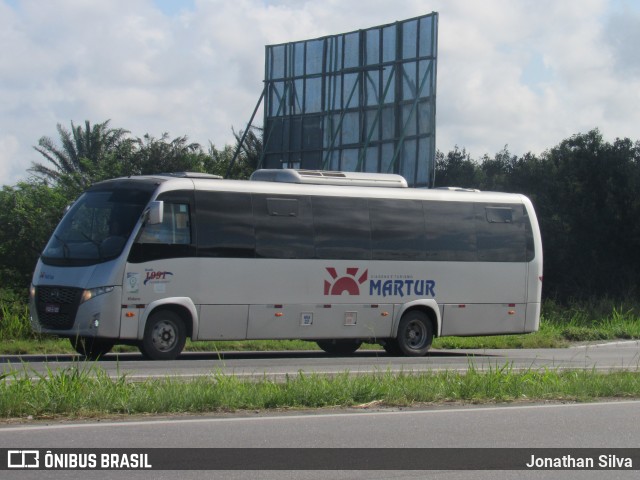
(96, 228)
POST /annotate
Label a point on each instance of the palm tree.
(247, 155)
(82, 155)
(251, 148)
(158, 155)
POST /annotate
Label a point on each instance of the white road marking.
(270, 418)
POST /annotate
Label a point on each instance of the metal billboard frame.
(358, 101)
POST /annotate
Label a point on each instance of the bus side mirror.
(155, 213)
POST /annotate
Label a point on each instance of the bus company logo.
(383, 285)
(348, 284)
(46, 276)
(156, 276)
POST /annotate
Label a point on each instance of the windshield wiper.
(66, 251)
(97, 244)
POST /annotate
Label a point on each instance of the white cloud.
(8, 151)
(518, 72)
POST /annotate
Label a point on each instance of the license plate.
(52, 308)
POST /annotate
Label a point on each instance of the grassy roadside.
(85, 391)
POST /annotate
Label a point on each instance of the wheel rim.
(164, 335)
(416, 335)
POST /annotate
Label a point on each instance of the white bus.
(335, 258)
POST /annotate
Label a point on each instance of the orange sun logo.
(348, 284)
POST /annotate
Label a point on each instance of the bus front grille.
(57, 306)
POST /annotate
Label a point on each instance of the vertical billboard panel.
(358, 101)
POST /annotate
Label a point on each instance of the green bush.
(14, 316)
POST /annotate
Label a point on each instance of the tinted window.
(284, 227)
(451, 231)
(174, 229)
(397, 229)
(529, 235)
(225, 224)
(229, 224)
(97, 226)
(501, 233)
(342, 228)
(173, 238)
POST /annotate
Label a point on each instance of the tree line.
(584, 191)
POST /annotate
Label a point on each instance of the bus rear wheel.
(391, 346)
(415, 334)
(164, 336)
(91, 348)
(339, 347)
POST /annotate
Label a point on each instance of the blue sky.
(522, 73)
(174, 7)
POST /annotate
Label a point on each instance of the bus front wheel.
(415, 334)
(164, 336)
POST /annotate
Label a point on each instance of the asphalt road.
(602, 357)
(600, 426)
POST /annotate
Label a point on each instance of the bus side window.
(397, 229)
(342, 228)
(501, 233)
(283, 226)
(451, 231)
(173, 238)
(225, 225)
(174, 229)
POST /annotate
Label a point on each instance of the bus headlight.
(94, 292)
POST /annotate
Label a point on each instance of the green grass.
(14, 321)
(85, 390)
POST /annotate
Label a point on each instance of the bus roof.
(165, 182)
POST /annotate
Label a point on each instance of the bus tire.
(91, 348)
(164, 336)
(339, 347)
(392, 348)
(415, 334)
